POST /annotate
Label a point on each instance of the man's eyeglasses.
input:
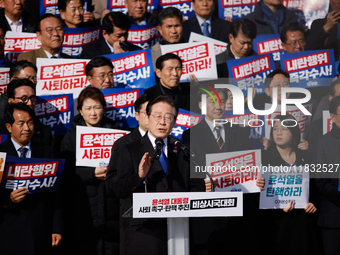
(103, 76)
(295, 43)
(25, 99)
(50, 30)
(167, 118)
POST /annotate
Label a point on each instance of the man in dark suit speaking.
(136, 173)
(205, 23)
(29, 223)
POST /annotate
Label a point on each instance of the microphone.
(159, 144)
(124, 46)
(186, 150)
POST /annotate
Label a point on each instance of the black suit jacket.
(149, 19)
(32, 221)
(28, 21)
(180, 95)
(100, 48)
(149, 236)
(219, 28)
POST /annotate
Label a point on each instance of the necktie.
(22, 151)
(219, 139)
(163, 161)
(205, 29)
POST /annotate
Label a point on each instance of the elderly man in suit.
(50, 33)
(168, 174)
(33, 219)
(116, 27)
(205, 23)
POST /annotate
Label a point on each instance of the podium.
(177, 207)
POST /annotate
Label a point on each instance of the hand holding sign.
(18, 195)
(100, 172)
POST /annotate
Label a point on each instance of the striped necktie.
(219, 139)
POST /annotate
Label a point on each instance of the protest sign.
(185, 6)
(234, 171)
(119, 105)
(36, 175)
(76, 38)
(143, 36)
(302, 120)
(219, 46)
(235, 8)
(283, 185)
(4, 79)
(197, 58)
(309, 69)
(269, 44)
(3, 138)
(133, 69)
(185, 120)
(250, 72)
(187, 204)
(55, 112)
(16, 43)
(94, 145)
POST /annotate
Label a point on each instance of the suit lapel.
(209, 138)
(41, 53)
(215, 27)
(195, 26)
(11, 151)
(105, 48)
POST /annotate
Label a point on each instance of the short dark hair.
(331, 89)
(165, 57)
(93, 93)
(141, 100)
(246, 26)
(8, 117)
(206, 90)
(18, 66)
(270, 77)
(16, 83)
(62, 4)
(289, 121)
(45, 16)
(170, 12)
(116, 19)
(333, 105)
(162, 98)
(292, 28)
(97, 62)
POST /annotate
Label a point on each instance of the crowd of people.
(85, 215)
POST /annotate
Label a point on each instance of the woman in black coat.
(92, 211)
(288, 231)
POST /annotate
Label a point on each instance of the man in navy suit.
(33, 220)
(116, 27)
(168, 174)
(205, 23)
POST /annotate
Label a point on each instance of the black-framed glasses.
(25, 99)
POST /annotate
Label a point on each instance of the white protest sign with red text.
(235, 171)
(197, 58)
(4, 79)
(219, 46)
(16, 43)
(94, 145)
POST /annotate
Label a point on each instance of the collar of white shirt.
(153, 142)
(109, 45)
(18, 146)
(15, 27)
(49, 55)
